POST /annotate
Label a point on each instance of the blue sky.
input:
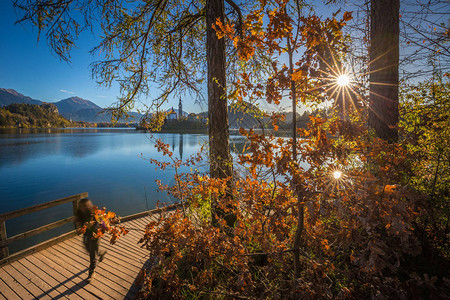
(29, 67)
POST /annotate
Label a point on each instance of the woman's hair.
(84, 200)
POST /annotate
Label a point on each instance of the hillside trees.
(31, 115)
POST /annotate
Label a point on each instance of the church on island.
(173, 115)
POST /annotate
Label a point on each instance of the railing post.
(75, 204)
(4, 251)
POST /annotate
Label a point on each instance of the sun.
(343, 80)
(337, 174)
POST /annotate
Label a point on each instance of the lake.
(40, 165)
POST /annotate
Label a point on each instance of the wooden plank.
(150, 212)
(4, 251)
(117, 274)
(117, 263)
(39, 278)
(26, 283)
(115, 271)
(134, 226)
(139, 247)
(111, 257)
(37, 247)
(131, 239)
(15, 285)
(75, 284)
(35, 231)
(101, 282)
(6, 291)
(128, 242)
(38, 207)
(131, 247)
(77, 274)
(113, 252)
(142, 224)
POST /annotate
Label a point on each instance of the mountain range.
(79, 109)
(73, 108)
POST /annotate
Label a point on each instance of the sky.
(29, 67)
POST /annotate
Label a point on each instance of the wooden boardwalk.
(60, 271)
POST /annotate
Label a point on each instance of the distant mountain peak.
(74, 108)
(76, 99)
(10, 96)
(13, 92)
(79, 100)
(73, 104)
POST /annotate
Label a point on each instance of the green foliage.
(31, 115)
(425, 119)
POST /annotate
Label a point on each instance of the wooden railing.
(5, 240)
(6, 258)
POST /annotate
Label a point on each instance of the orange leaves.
(325, 245)
(163, 148)
(82, 229)
(389, 189)
(362, 227)
(354, 226)
(347, 16)
(105, 222)
(245, 50)
(223, 30)
(297, 75)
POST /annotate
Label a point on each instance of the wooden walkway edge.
(59, 270)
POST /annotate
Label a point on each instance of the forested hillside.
(32, 115)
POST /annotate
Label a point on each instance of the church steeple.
(180, 109)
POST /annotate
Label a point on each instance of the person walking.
(86, 224)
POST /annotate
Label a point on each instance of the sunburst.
(343, 80)
(344, 84)
(337, 174)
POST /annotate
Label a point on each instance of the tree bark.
(384, 61)
(221, 165)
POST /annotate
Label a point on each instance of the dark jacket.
(81, 218)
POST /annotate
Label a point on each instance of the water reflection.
(18, 146)
(39, 165)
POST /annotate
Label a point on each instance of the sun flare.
(337, 174)
(343, 80)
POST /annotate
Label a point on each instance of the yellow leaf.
(296, 75)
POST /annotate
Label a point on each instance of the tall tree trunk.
(384, 61)
(219, 148)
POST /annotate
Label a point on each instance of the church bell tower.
(180, 109)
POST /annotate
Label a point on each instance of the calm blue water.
(40, 165)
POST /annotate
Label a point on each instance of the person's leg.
(100, 253)
(86, 242)
(92, 246)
